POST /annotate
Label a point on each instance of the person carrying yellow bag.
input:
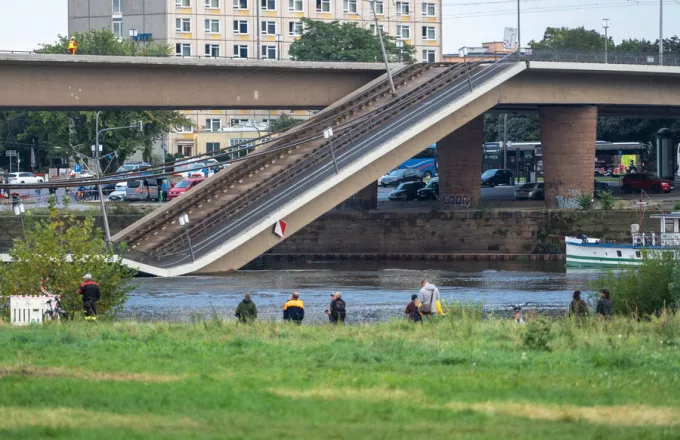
(429, 299)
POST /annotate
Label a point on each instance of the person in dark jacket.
(338, 311)
(578, 307)
(246, 311)
(605, 306)
(90, 293)
(294, 309)
(412, 309)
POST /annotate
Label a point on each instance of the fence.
(25, 310)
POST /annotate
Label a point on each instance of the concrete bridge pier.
(367, 198)
(568, 136)
(460, 163)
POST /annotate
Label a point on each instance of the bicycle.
(56, 312)
(518, 315)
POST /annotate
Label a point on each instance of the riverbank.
(458, 378)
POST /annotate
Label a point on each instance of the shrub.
(644, 290)
(538, 334)
(585, 200)
(607, 200)
(57, 252)
(676, 206)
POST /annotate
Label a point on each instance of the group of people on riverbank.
(579, 308)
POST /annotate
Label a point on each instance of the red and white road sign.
(280, 228)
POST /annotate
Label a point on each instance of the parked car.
(648, 182)
(397, 177)
(406, 191)
(144, 189)
(119, 192)
(530, 191)
(184, 186)
(133, 166)
(23, 177)
(497, 177)
(430, 191)
(108, 188)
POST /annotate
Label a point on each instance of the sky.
(465, 22)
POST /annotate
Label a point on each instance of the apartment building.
(250, 29)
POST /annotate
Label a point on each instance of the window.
(618, 253)
(240, 26)
(371, 27)
(238, 121)
(183, 25)
(235, 142)
(183, 49)
(212, 4)
(268, 52)
(428, 56)
(212, 147)
(240, 51)
(185, 149)
(403, 8)
(185, 129)
(116, 6)
(268, 5)
(240, 4)
(213, 125)
(268, 28)
(295, 5)
(295, 28)
(429, 10)
(403, 32)
(212, 50)
(212, 26)
(323, 5)
(349, 6)
(183, 3)
(379, 8)
(429, 33)
(117, 27)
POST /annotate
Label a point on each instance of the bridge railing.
(635, 58)
(348, 146)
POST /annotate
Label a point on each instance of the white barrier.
(25, 310)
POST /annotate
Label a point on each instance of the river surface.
(373, 291)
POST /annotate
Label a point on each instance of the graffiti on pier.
(567, 198)
(462, 201)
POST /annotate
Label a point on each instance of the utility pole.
(107, 231)
(382, 47)
(519, 31)
(505, 141)
(605, 25)
(660, 32)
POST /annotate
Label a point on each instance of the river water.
(373, 291)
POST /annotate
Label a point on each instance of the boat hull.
(605, 255)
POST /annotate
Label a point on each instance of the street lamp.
(605, 25)
(97, 150)
(278, 50)
(184, 221)
(400, 45)
(20, 210)
(133, 38)
(382, 47)
(660, 32)
(462, 52)
(328, 134)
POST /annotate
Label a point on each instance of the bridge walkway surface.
(301, 174)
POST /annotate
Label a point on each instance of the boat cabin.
(669, 232)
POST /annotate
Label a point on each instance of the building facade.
(491, 51)
(249, 29)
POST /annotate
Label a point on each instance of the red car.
(648, 182)
(184, 186)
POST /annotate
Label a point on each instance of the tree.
(283, 123)
(57, 252)
(576, 39)
(335, 41)
(104, 42)
(520, 128)
(51, 134)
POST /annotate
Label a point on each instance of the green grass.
(461, 377)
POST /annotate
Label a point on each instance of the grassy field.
(458, 378)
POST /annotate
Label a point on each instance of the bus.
(425, 161)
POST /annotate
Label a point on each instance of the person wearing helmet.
(90, 293)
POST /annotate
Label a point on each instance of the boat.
(594, 252)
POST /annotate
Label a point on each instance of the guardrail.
(357, 141)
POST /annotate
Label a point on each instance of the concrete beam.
(59, 82)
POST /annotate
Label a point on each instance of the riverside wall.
(464, 232)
